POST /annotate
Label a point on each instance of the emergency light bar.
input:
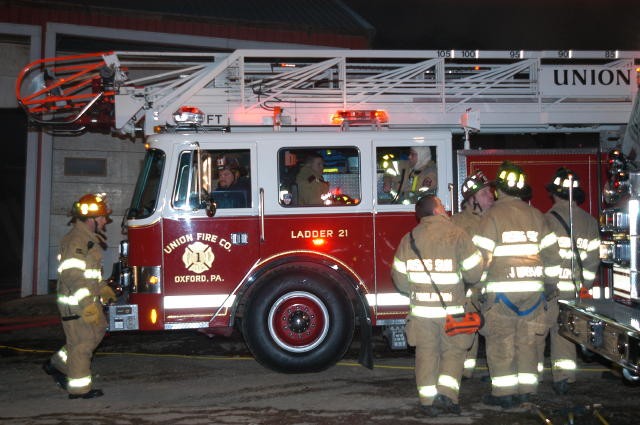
(189, 115)
(360, 117)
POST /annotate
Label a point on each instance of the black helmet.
(512, 180)
(227, 162)
(473, 184)
(560, 185)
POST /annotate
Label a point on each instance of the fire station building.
(43, 174)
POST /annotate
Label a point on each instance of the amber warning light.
(377, 116)
(318, 242)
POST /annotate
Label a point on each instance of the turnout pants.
(512, 343)
(471, 358)
(439, 358)
(74, 359)
(562, 352)
(472, 353)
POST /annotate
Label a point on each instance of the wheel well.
(320, 270)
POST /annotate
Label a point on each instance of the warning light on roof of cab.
(188, 115)
(377, 116)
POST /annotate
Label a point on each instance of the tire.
(298, 322)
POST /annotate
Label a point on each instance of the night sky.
(503, 24)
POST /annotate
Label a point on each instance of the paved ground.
(186, 378)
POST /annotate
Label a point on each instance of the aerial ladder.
(130, 93)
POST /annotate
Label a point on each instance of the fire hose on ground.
(570, 413)
(8, 324)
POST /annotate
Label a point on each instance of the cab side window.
(230, 180)
(217, 175)
(313, 177)
(404, 174)
(185, 193)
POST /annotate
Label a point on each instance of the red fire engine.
(610, 327)
(298, 277)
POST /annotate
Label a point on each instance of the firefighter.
(230, 179)
(312, 186)
(580, 261)
(80, 291)
(477, 199)
(407, 180)
(446, 254)
(521, 266)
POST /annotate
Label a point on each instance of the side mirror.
(210, 207)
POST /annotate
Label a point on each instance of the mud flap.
(365, 357)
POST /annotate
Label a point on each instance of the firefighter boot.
(504, 401)
(429, 411)
(58, 377)
(527, 398)
(447, 405)
(89, 394)
(561, 387)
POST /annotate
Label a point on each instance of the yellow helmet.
(511, 180)
(91, 205)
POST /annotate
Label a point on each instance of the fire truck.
(610, 327)
(299, 278)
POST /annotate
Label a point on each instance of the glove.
(90, 314)
(107, 295)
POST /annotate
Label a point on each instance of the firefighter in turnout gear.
(522, 264)
(444, 255)
(407, 181)
(580, 262)
(80, 291)
(312, 187)
(477, 199)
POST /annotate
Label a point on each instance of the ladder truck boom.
(125, 92)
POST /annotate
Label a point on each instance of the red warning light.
(377, 116)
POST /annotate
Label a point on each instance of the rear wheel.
(298, 323)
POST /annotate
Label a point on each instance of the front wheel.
(298, 323)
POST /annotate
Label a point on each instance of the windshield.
(145, 195)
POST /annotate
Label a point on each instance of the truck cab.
(295, 277)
